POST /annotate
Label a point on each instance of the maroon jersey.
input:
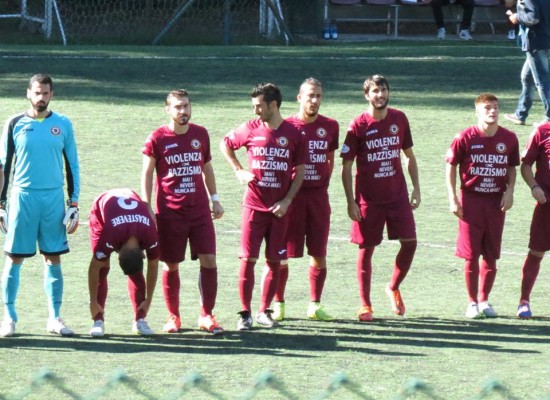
(179, 165)
(116, 216)
(376, 146)
(272, 154)
(538, 151)
(484, 160)
(321, 138)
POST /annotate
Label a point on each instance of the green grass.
(114, 95)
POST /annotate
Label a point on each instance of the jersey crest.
(322, 133)
(195, 144)
(282, 141)
(394, 129)
(55, 130)
(501, 147)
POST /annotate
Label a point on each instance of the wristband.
(534, 186)
(215, 197)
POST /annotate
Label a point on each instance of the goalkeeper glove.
(71, 218)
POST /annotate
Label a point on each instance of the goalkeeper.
(39, 143)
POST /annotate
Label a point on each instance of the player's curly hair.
(270, 91)
(375, 80)
(130, 260)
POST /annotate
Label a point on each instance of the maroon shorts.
(259, 225)
(174, 233)
(539, 239)
(397, 216)
(309, 223)
(480, 232)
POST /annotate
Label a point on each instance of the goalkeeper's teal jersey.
(39, 150)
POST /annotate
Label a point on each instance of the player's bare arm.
(454, 205)
(412, 168)
(210, 182)
(150, 281)
(508, 197)
(347, 181)
(529, 178)
(148, 167)
(280, 208)
(93, 281)
(243, 175)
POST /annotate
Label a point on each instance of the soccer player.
(539, 241)
(376, 139)
(180, 154)
(40, 144)
(309, 214)
(276, 157)
(121, 222)
(485, 156)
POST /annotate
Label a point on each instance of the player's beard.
(40, 106)
(183, 120)
(378, 106)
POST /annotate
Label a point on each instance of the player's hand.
(280, 208)
(95, 308)
(217, 210)
(71, 218)
(144, 306)
(507, 200)
(354, 212)
(538, 194)
(456, 208)
(415, 198)
(244, 176)
(3, 220)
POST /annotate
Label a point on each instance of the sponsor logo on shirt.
(476, 146)
(371, 132)
(258, 138)
(55, 130)
(170, 146)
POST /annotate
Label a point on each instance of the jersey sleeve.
(149, 147)
(351, 145)
(455, 153)
(72, 165)
(238, 137)
(335, 142)
(532, 149)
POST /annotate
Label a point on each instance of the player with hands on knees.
(40, 146)
(120, 222)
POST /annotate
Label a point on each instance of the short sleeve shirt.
(321, 138)
(484, 160)
(179, 167)
(376, 146)
(272, 154)
(114, 218)
(537, 152)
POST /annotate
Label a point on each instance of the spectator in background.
(533, 17)
(510, 6)
(467, 5)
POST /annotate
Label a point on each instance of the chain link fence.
(338, 386)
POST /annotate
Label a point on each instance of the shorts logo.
(55, 130)
(501, 148)
(282, 141)
(196, 144)
(322, 133)
(394, 129)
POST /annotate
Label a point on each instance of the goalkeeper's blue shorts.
(36, 216)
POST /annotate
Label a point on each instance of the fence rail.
(192, 382)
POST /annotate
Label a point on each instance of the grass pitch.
(114, 96)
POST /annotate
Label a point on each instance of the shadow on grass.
(306, 339)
